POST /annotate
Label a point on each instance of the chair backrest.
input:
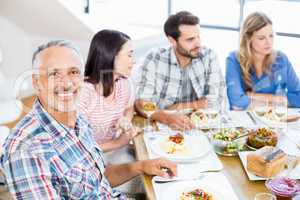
(10, 110)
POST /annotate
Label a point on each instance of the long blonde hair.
(252, 23)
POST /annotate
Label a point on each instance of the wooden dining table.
(233, 170)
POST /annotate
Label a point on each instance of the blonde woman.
(256, 70)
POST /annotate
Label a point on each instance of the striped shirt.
(103, 114)
(162, 77)
(43, 159)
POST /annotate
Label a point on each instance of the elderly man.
(51, 153)
(180, 76)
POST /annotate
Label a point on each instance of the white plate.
(173, 192)
(206, 122)
(214, 182)
(295, 173)
(273, 123)
(196, 147)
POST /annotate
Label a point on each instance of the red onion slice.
(283, 186)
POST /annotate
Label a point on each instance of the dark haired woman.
(107, 96)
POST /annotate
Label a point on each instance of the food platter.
(224, 143)
(269, 118)
(261, 137)
(191, 148)
(294, 173)
(175, 192)
(203, 118)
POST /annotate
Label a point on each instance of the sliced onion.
(282, 186)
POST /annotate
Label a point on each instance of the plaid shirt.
(44, 159)
(161, 78)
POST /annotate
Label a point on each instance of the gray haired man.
(51, 153)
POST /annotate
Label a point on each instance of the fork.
(158, 179)
(293, 141)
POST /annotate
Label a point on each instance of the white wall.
(24, 25)
(16, 47)
(45, 17)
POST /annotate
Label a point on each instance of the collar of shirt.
(50, 124)
(82, 130)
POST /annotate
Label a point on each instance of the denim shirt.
(267, 83)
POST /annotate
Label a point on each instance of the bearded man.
(181, 76)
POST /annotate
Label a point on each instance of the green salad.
(223, 141)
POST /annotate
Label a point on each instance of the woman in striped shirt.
(107, 95)
(107, 99)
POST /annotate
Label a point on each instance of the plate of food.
(181, 148)
(283, 187)
(228, 141)
(206, 118)
(269, 162)
(192, 190)
(261, 137)
(274, 117)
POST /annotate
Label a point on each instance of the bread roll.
(266, 162)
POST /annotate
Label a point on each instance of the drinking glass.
(213, 107)
(280, 107)
(259, 105)
(149, 108)
(264, 196)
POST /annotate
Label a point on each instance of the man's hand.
(201, 103)
(119, 174)
(159, 167)
(179, 122)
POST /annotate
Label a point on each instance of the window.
(213, 12)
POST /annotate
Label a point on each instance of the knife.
(251, 117)
(158, 179)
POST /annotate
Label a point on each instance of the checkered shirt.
(43, 159)
(161, 77)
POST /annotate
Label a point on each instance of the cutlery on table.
(293, 140)
(158, 179)
(243, 135)
(251, 117)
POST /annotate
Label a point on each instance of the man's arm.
(174, 120)
(119, 174)
(29, 177)
(201, 103)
